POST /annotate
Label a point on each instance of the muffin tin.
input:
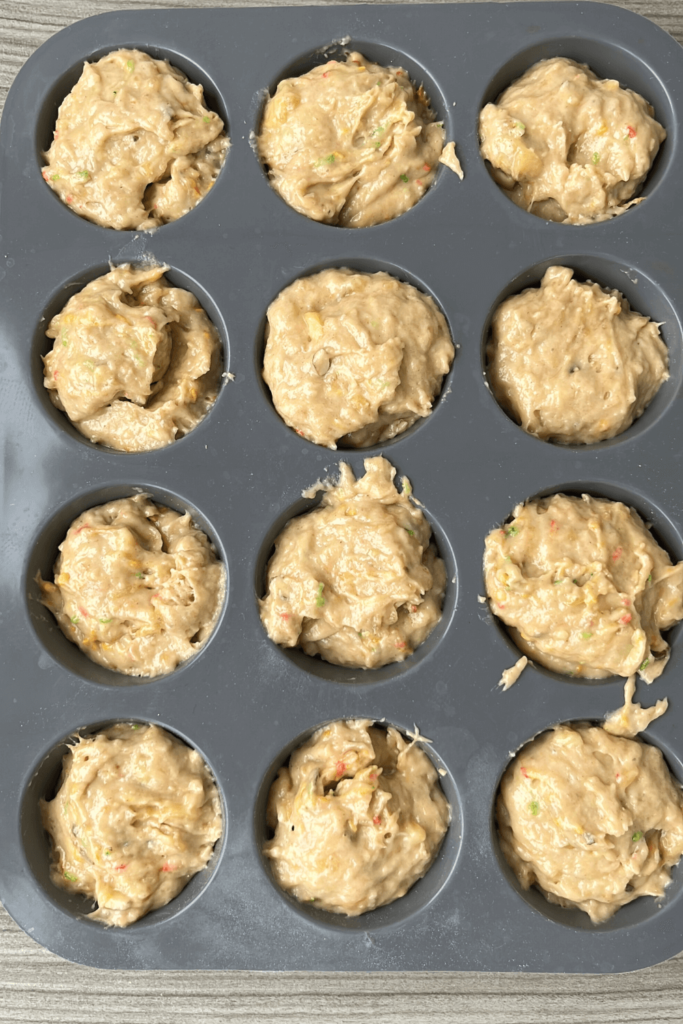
(243, 702)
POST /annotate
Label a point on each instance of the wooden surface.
(37, 986)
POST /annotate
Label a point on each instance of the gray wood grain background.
(40, 988)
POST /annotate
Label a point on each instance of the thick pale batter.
(358, 816)
(567, 145)
(136, 816)
(134, 145)
(594, 820)
(136, 363)
(572, 363)
(449, 158)
(350, 142)
(630, 719)
(584, 587)
(355, 358)
(357, 580)
(137, 586)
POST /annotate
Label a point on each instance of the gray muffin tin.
(243, 702)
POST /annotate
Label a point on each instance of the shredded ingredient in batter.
(382, 580)
(358, 816)
(585, 588)
(594, 820)
(136, 815)
(569, 146)
(354, 358)
(134, 144)
(350, 142)
(136, 363)
(632, 718)
(136, 586)
(573, 363)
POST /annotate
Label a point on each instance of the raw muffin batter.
(358, 816)
(572, 363)
(136, 816)
(355, 358)
(350, 142)
(357, 580)
(630, 719)
(567, 145)
(594, 820)
(136, 363)
(137, 586)
(134, 145)
(584, 586)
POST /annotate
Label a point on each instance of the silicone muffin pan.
(243, 702)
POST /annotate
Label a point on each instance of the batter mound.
(584, 586)
(569, 146)
(572, 363)
(136, 816)
(136, 363)
(134, 145)
(355, 358)
(594, 820)
(357, 580)
(350, 143)
(137, 586)
(358, 816)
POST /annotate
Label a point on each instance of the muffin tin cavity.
(36, 843)
(607, 60)
(662, 530)
(41, 345)
(378, 53)
(633, 914)
(416, 900)
(315, 666)
(42, 556)
(364, 266)
(51, 99)
(644, 295)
